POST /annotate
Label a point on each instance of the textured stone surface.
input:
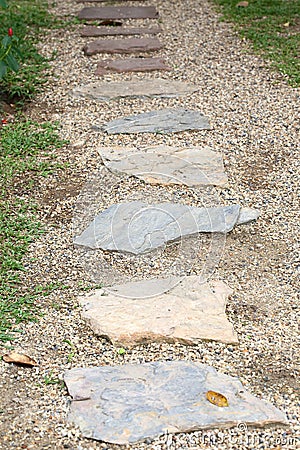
(117, 31)
(193, 166)
(160, 121)
(129, 403)
(131, 65)
(118, 12)
(182, 309)
(132, 45)
(138, 227)
(105, 1)
(105, 91)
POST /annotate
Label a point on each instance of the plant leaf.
(12, 62)
(18, 358)
(121, 351)
(3, 69)
(3, 4)
(217, 399)
(6, 41)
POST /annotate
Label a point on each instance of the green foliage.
(29, 21)
(273, 27)
(25, 153)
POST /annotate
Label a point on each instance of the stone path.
(160, 310)
(118, 13)
(131, 65)
(105, 1)
(192, 166)
(130, 403)
(107, 91)
(131, 45)
(138, 227)
(93, 31)
(160, 121)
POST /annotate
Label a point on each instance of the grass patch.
(30, 20)
(273, 27)
(26, 153)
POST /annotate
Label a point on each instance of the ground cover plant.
(22, 70)
(26, 153)
(273, 27)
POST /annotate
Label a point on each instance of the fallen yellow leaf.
(217, 399)
(18, 358)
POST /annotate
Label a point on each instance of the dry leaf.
(18, 358)
(243, 4)
(217, 399)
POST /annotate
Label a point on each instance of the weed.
(25, 151)
(73, 350)
(89, 288)
(50, 380)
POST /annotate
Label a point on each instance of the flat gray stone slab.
(193, 166)
(131, 45)
(118, 31)
(129, 403)
(106, 91)
(138, 227)
(160, 121)
(131, 65)
(118, 12)
(182, 309)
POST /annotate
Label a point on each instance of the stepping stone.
(107, 91)
(129, 403)
(131, 65)
(115, 31)
(162, 310)
(193, 166)
(138, 227)
(103, 1)
(132, 45)
(160, 121)
(118, 13)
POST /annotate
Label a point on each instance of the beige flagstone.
(106, 91)
(171, 309)
(191, 166)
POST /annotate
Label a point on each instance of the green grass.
(273, 27)
(26, 154)
(30, 20)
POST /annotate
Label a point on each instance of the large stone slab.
(129, 403)
(118, 31)
(160, 121)
(192, 166)
(106, 91)
(104, 1)
(118, 12)
(138, 227)
(167, 310)
(132, 45)
(131, 65)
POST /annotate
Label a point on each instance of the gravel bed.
(254, 116)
